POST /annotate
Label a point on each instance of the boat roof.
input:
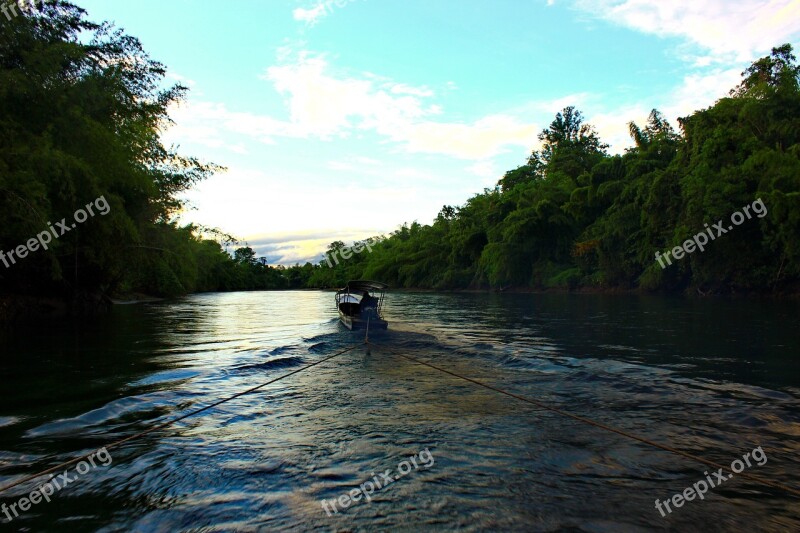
(349, 299)
(365, 285)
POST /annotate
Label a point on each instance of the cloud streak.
(290, 248)
(730, 30)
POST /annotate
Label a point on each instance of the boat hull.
(353, 322)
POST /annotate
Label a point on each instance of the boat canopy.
(349, 299)
(356, 297)
(364, 285)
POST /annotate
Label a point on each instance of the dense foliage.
(82, 108)
(575, 216)
(81, 111)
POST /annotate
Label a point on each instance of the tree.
(778, 71)
(245, 256)
(568, 146)
(81, 110)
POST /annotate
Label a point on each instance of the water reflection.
(716, 377)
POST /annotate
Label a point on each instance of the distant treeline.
(82, 108)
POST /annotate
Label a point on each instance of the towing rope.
(600, 425)
(174, 420)
(536, 403)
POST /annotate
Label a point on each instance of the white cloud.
(740, 29)
(324, 105)
(299, 247)
(210, 124)
(353, 163)
(314, 14)
(701, 90)
(287, 211)
(401, 88)
(195, 123)
(485, 169)
(725, 33)
(697, 91)
(612, 126)
(310, 16)
(479, 140)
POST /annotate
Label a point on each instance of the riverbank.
(25, 307)
(136, 298)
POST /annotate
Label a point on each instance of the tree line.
(82, 108)
(574, 216)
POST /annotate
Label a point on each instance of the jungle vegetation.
(574, 216)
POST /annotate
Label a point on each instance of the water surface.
(713, 377)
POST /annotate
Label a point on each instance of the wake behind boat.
(360, 304)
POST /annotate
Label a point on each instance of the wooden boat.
(360, 303)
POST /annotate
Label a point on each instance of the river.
(717, 378)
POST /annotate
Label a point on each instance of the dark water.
(716, 378)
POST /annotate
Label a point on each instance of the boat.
(360, 304)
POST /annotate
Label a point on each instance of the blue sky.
(342, 119)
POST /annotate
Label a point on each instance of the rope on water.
(170, 422)
(600, 425)
(536, 403)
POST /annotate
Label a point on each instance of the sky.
(343, 119)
